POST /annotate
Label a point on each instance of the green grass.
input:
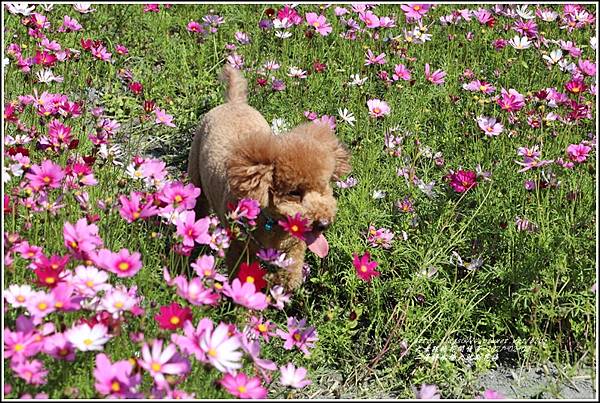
(531, 296)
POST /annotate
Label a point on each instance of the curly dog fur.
(235, 155)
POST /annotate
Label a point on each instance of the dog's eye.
(296, 193)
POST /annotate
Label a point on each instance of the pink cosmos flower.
(40, 305)
(115, 380)
(381, 237)
(294, 377)
(575, 86)
(173, 316)
(372, 59)
(194, 291)
(118, 299)
(365, 268)
(461, 180)
(88, 280)
(298, 335)
(28, 251)
(511, 100)
(32, 372)
(247, 209)
(370, 19)
(252, 348)
(242, 386)
(489, 126)
(63, 297)
(179, 196)
(18, 346)
(69, 25)
(132, 208)
(578, 152)
(81, 238)
(48, 175)
(191, 230)
(121, 49)
(123, 263)
(491, 394)
(415, 11)
(246, 295)
(296, 226)
(190, 341)
(101, 53)
(59, 347)
(437, 77)
(587, 67)
(222, 351)
(18, 295)
(194, 26)
(479, 86)
(378, 108)
(159, 362)
(401, 72)
(319, 22)
(163, 118)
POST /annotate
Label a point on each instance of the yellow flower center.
(250, 279)
(87, 342)
(241, 389)
(54, 266)
(46, 179)
(63, 351)
(20, 298)
(115, 386)
(490, 129)
(155, 367)
(316, 24)
(212, 352)
(137, 174)
(262, 328)
(294, 228)
(207, 272)
(42, 306)
(123, 266)
(178, 199)
(218, 286)
(59, 304)
(363, 268)
(417, 7)
(19, 347)
(376, 110)
(191, 232)
(297, 336)
(175, 320)
(136, 215)
(50, 280)
(576, 89)
(73, 244)
(482, 88)
(119, 304)
(89, 283)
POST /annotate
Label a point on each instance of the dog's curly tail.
(237, 86)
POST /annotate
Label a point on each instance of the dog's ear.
(323, 134)
(250, 169)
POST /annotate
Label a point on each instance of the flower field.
(465, 236)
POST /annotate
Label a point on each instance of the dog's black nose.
(321, 225)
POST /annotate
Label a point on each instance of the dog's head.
(291, 173)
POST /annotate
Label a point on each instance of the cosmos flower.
(221, 350)
(462, 180)
(437, 77)
(159, 362)
(293, 377)
(296, 226)
(88, 338)
(173, 316)
(163, 118)
(489, 126)
(428, 392)
(115, 379)
(378, 108)
(365, 267)
(46, 175)
(319, 22)
(244, 387)
(245, 294)
(123, 263)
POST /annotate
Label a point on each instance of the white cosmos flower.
(84, 8)
(356, 80)
(524, 13)
(554, 56)
(296, 72)
(567, 66)
(47, 7)
(283, 34)
(593, 42)
(520, 42)
(86, 338)
(20, 8)
(46, 76)
(548, 15)
(222, 351)
(347, 116)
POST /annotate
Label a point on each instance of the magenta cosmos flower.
(48, 174)
(133, 209)
(578, 152)
(378, 108)
(365, 267)
(298, 335)
(173, 316)
(401, 72)
(319, 22)
(81, 238)
(511, 100)
(189, 342)
(242, 386)
(123, 263)
(461, 181)
(159, 362)
(115, 380)
(296, 226)
(179, 196)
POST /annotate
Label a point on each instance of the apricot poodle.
(235, 155)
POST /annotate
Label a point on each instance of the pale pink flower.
(437, 77)
(163, 118)
(293, 377)
(245, 295)
(319, 22)
(378, 108)
(221, 350)
(489, 126)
